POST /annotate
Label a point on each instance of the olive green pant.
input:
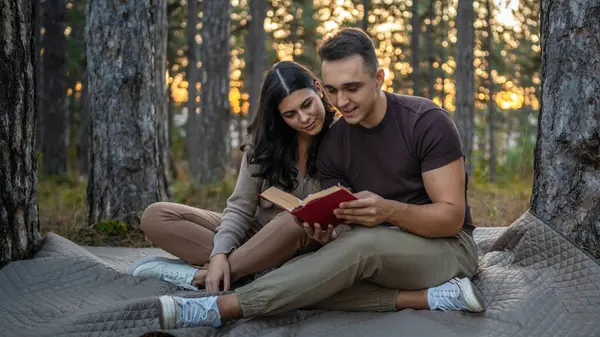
(361, 270)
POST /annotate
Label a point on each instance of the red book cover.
(315, 208)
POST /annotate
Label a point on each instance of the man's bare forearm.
(431, 220)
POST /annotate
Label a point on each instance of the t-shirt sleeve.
(437, 140)
(329, 172)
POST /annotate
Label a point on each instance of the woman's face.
(303, 111)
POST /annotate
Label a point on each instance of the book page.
(320, 194)
(281, 198)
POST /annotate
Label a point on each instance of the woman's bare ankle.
(229, 307)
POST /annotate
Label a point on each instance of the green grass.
(498, 204)
(62, 210)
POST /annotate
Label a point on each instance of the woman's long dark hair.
(273, 143)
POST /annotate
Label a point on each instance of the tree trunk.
(192, 128)
(19, 221)
(491, 102)
(443, 77)
(415, 22)
(430, 54)
(482, 142)
(172, 48)
(161, 30)
(443, 37)
(293, 27)
(256, 53)
(566, 183)
(124, 159)
(465, 86)
(236, 157)
(55, 141)
(171, 127)
(213, 155)
(509, 129)
(83, 135)
(241, 130)
(38, 72)
(310, 36)
(365, 18)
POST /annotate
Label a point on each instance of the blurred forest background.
(429, 48)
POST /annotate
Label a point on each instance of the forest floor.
(62, 207)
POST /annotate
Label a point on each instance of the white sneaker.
(168, 270)
(180, 312)
(456, 294)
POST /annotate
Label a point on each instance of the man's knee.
(362, 239)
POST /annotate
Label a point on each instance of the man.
(409, 242)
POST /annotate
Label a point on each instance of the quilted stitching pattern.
(535, 283)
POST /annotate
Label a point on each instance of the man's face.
(351, 88)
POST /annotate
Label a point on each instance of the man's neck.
(376, 115)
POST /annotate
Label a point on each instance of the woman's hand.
(315, 232)
(218, 270)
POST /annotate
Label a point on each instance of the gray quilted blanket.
(535, 283)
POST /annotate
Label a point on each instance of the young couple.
(408, 238)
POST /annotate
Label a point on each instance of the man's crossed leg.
(364, 269)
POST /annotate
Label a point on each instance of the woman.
(252, 235)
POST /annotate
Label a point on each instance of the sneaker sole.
(167, 312)
(472, 295)
(132, 270)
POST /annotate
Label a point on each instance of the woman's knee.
(152, 217)
(284, 228)
(285, 220)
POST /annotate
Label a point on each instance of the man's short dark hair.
(348, 42)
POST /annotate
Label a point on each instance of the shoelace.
(176, 278)
(195, 311)
(184, 286)
(446, 296)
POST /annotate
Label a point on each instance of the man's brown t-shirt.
(415, 136)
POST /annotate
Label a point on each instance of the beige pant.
(362, 270)
(358, 272)
(188, 232)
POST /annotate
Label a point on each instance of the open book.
(315, 208)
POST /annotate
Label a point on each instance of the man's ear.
(379, 78)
